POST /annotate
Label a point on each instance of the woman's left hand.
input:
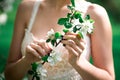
(75, 46)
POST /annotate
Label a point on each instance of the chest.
(46, 20)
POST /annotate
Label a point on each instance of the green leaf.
(80, 34)
(62, 21)
(44, 58)
(65, 30)
(48, 40)
(34, 66)
(77, 14)
(69, 15)
(30, 72)
(70, 8)
(53, 42)
(37, 77)
(68, 25)
(81, 20)
(87, 17)
(91, 21)
(57, 35)
(73, 2)
(75, 29)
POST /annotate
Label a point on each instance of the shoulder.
(100, 16)
(26, 5)
(97, 12)
(25, 9)
(23, 14)
(102, 22)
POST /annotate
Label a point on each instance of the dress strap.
(34, 13)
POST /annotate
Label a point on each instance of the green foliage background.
(112, 7)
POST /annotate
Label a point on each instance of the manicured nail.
(40, 57)
(64, 45)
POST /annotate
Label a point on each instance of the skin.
(101, 41)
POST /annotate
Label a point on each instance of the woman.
(28, 45)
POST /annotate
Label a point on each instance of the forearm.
(89, 71)
(17, 70)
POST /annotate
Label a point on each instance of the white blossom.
(54, 58)
(76, 22)
(50, 34)
(87, 27)
(41, 71)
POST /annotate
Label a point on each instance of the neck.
(57, 4)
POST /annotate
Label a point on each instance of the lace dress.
(62, 70)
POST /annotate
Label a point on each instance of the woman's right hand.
(36, 50)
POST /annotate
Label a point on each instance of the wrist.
(80, 62)
(27, 61)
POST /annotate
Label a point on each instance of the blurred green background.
(112, 7)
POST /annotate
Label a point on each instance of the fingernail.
(64, 45)
(62, 36)
(51, 50)
(40, 57)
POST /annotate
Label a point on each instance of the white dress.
(62, 70)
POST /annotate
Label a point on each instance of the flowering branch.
(73, 22)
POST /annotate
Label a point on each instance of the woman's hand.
(36, 50)
(75, 46)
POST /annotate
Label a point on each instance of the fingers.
(71, 50)
(78, 42)
(38, 49)
(44, 45)
(74, 43)
(72, 47)
(70, 33)
(29, 50)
